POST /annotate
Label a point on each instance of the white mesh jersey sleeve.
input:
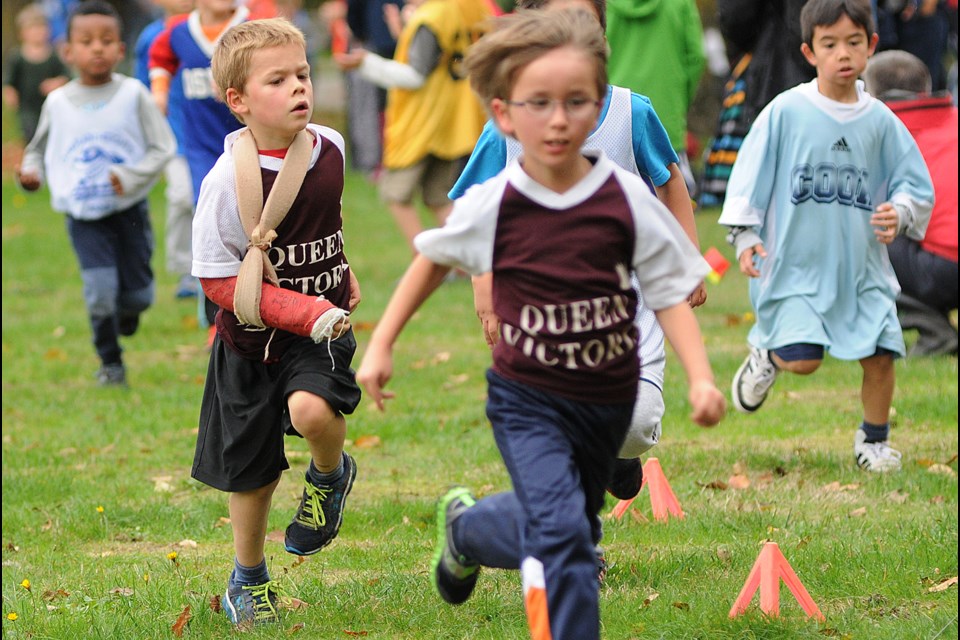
(667, 265)
(219, 242)
(466, 240)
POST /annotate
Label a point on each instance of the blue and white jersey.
(809, 175)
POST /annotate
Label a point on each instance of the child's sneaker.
(753, 380)
(453, 576)
(112, 375)
(626, 479)
(875, 456)
(318, 518)
(249, 605)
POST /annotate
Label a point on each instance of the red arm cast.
(280, 308)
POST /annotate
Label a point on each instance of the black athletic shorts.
(244, 416)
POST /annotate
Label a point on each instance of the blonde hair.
(31, 15)
(230, 64)
(494, 62)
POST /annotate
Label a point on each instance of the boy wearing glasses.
(629, 132)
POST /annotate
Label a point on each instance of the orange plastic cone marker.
(718, 264)
(662, 499)
(767, 571)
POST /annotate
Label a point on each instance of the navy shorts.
(244, 416)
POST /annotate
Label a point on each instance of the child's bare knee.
(801, 367)
(309, 413)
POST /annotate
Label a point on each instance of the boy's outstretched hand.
(708, 402)
(747, 267)
(375, 371)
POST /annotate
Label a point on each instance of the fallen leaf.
(456, 380)
(46, 526)
(732, 320)
(638, 516)
(650, 598)
(836, 486)
(943, 586)
(187, 544)
(354, 633)
(719, 485)
(925, 462)
(181, 622)
(297, 561)
(122, 591)
(55, 354)
(367, 442)
(738, 481)
(161, 484)
(683, 606)
(215, 604)
(443, 356)
(221, 521)
(897, 497)
(858, 513)
(293, 604)
(50, 596)
(942, 469)
(295, 628)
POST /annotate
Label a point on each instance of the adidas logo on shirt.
(840, 145)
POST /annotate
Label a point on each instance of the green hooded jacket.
(657, 51)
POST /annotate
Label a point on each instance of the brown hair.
(896, 72)
(494, 62)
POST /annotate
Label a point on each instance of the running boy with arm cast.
(280, 362)
(826, 178)
(564, 377)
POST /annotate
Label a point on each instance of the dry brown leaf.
(295, 628)
(650, 598)
(719, 485)
(187, 543)
(181, 622)
(354, 633)
(443, 356)
(55, 354)
(215, 604)
(122, 591)
(738, 481)
(897, 497)
(221, 521)
(638, 516)
(50, 596)
(944, 585)
(942, 469)
(46, 526)
(732, 320)
(454, 381)
(925, 462)
(297, 561)
(367, 442)
(683, 606)
(293, 604)
(858, 513)
(836, 486)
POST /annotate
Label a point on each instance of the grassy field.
(106, 536)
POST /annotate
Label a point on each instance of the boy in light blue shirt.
(826, 178)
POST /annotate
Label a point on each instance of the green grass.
(868, 548)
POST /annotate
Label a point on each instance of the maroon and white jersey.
(561, 268)
(308, 251)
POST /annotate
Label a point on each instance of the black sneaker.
(111, 375)
(626, 478)
(453, 576)
(318, 518)
(246, 606)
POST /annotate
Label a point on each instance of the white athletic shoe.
(753, 380)
(875, 456)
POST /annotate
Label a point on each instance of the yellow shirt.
(443, 117)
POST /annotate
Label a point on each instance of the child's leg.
(329, 476)
(870, 442)
(322, 428)
(876, 392)
(248, 517)
(136, 275)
